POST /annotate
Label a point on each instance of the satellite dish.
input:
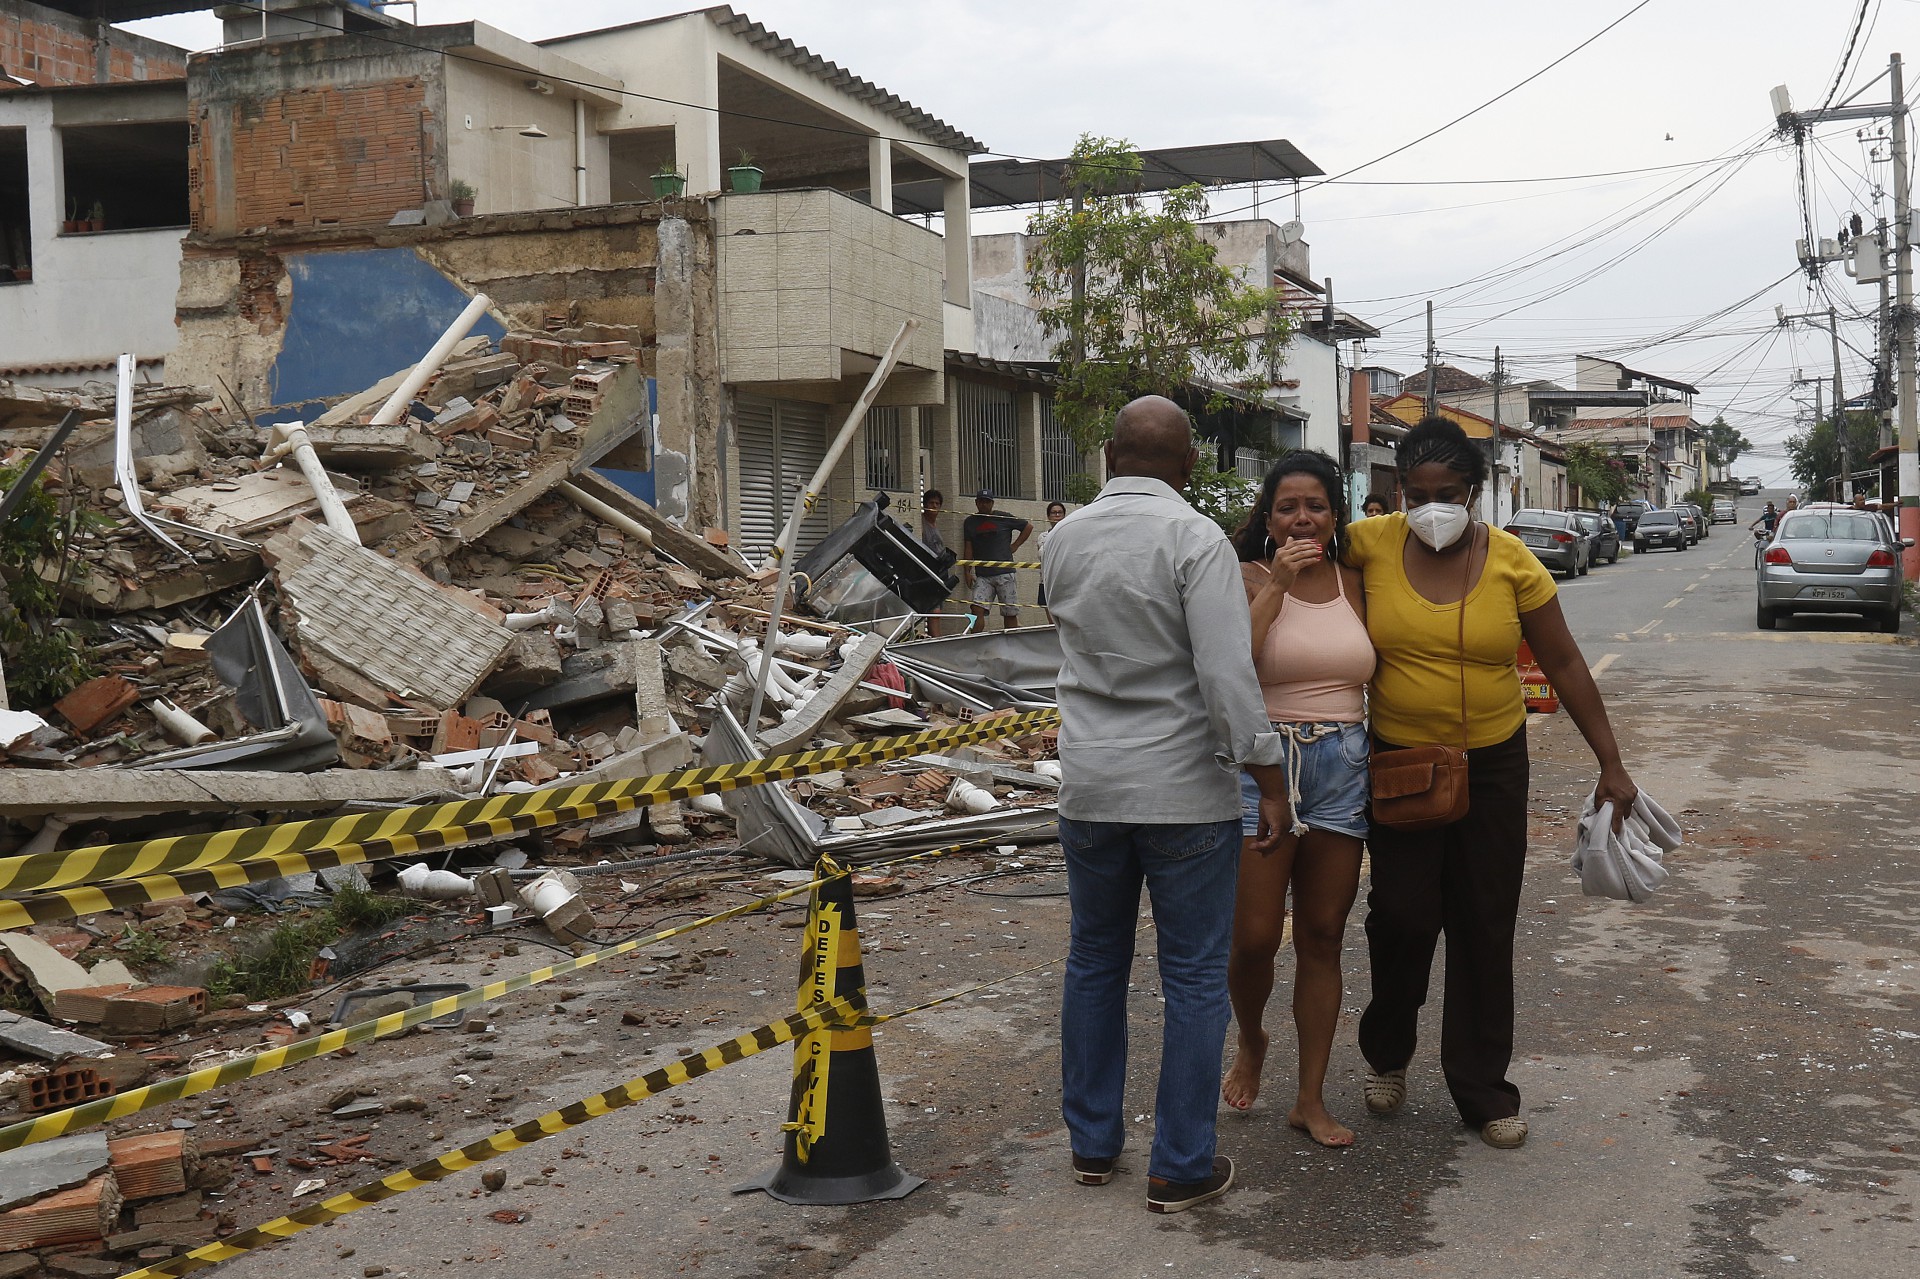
(1290, 232)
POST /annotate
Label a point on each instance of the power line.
(1468, 115)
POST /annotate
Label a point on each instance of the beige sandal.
(1505, 1134)
(1385, 1090)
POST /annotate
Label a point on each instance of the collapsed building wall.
(50, 47)
(283, 320)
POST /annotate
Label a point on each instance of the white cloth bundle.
(1624, 865)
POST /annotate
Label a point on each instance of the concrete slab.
(38, 1039)
(32, 1171)
(363, 619)
(124, 793)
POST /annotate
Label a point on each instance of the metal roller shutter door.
(777, 444)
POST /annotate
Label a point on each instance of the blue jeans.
(1190, 872)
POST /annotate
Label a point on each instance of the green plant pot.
(667, 185)
(745, 177)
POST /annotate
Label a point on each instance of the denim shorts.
(1333, 785)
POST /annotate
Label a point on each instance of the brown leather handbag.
(1421, 787)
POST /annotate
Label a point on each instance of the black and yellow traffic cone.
(836, 1149)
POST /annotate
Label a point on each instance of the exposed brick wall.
(49, 47)
(312, 157)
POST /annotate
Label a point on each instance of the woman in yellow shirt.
(1461, 879)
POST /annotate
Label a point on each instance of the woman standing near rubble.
(1056, 511)
(1311, 651)
(1449, 599)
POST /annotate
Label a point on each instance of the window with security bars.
(989, 431)
(887, 462)
(1061, 460)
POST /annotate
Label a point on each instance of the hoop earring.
(1271, 547)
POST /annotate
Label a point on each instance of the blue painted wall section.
(357, 316)
(640, 483)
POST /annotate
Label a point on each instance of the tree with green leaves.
(1153, 311)
(1598, 474)
(1725, 442)
(45, 662)
(1813, 454)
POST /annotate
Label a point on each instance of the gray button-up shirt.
(1158, 699)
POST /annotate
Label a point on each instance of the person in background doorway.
(1375, 505)
(932, 502)
(1056, 511)
(991, 535)
(1159, 710)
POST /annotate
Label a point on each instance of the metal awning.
(1001, 184)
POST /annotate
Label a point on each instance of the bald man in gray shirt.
(1160, 709)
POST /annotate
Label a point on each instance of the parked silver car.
(1554, 537)
(1830, 561)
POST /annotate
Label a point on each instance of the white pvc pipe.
(177, 724)
(601, 511)
(292, 437)
(430, 363)
(418, 882)
(965, 797)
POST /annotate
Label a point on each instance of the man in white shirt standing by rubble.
(1159, 710)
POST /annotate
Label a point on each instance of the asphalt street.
(1720, 1082)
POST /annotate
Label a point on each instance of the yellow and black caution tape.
(841, 1013)
(46, 1127)
(265, 852)
(996, 563)
(60, 1122)
(652, 1084)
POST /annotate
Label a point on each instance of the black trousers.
(1462, 880)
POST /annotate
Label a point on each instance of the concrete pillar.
(1026, 414)
(941, 440)
(696, 128)
(880, 174)
(959, 235)
(696, 149)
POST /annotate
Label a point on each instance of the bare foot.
(1242, 1083)
(1312, 1119)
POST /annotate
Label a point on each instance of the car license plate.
(1827, 593)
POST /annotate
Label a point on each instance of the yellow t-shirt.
(1414, 699)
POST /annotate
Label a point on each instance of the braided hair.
(1251, 542)
(1436, 439)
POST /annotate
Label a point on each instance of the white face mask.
(1439, 524)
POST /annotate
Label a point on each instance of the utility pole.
(1903, 318)
(1497, 380)
(1884, 382)
(1794, 124)
(1433, 398)
(1819, 408)
(1840, 413)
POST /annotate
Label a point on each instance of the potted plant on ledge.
(746, 175)
(462, 195)
(668, 181)
(97, 218)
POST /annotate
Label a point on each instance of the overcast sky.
(1678, 82)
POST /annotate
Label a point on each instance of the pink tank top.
(1316, 661)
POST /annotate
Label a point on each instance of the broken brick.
(96, 702)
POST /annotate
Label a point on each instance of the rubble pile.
(353, 613)
(481, 577)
